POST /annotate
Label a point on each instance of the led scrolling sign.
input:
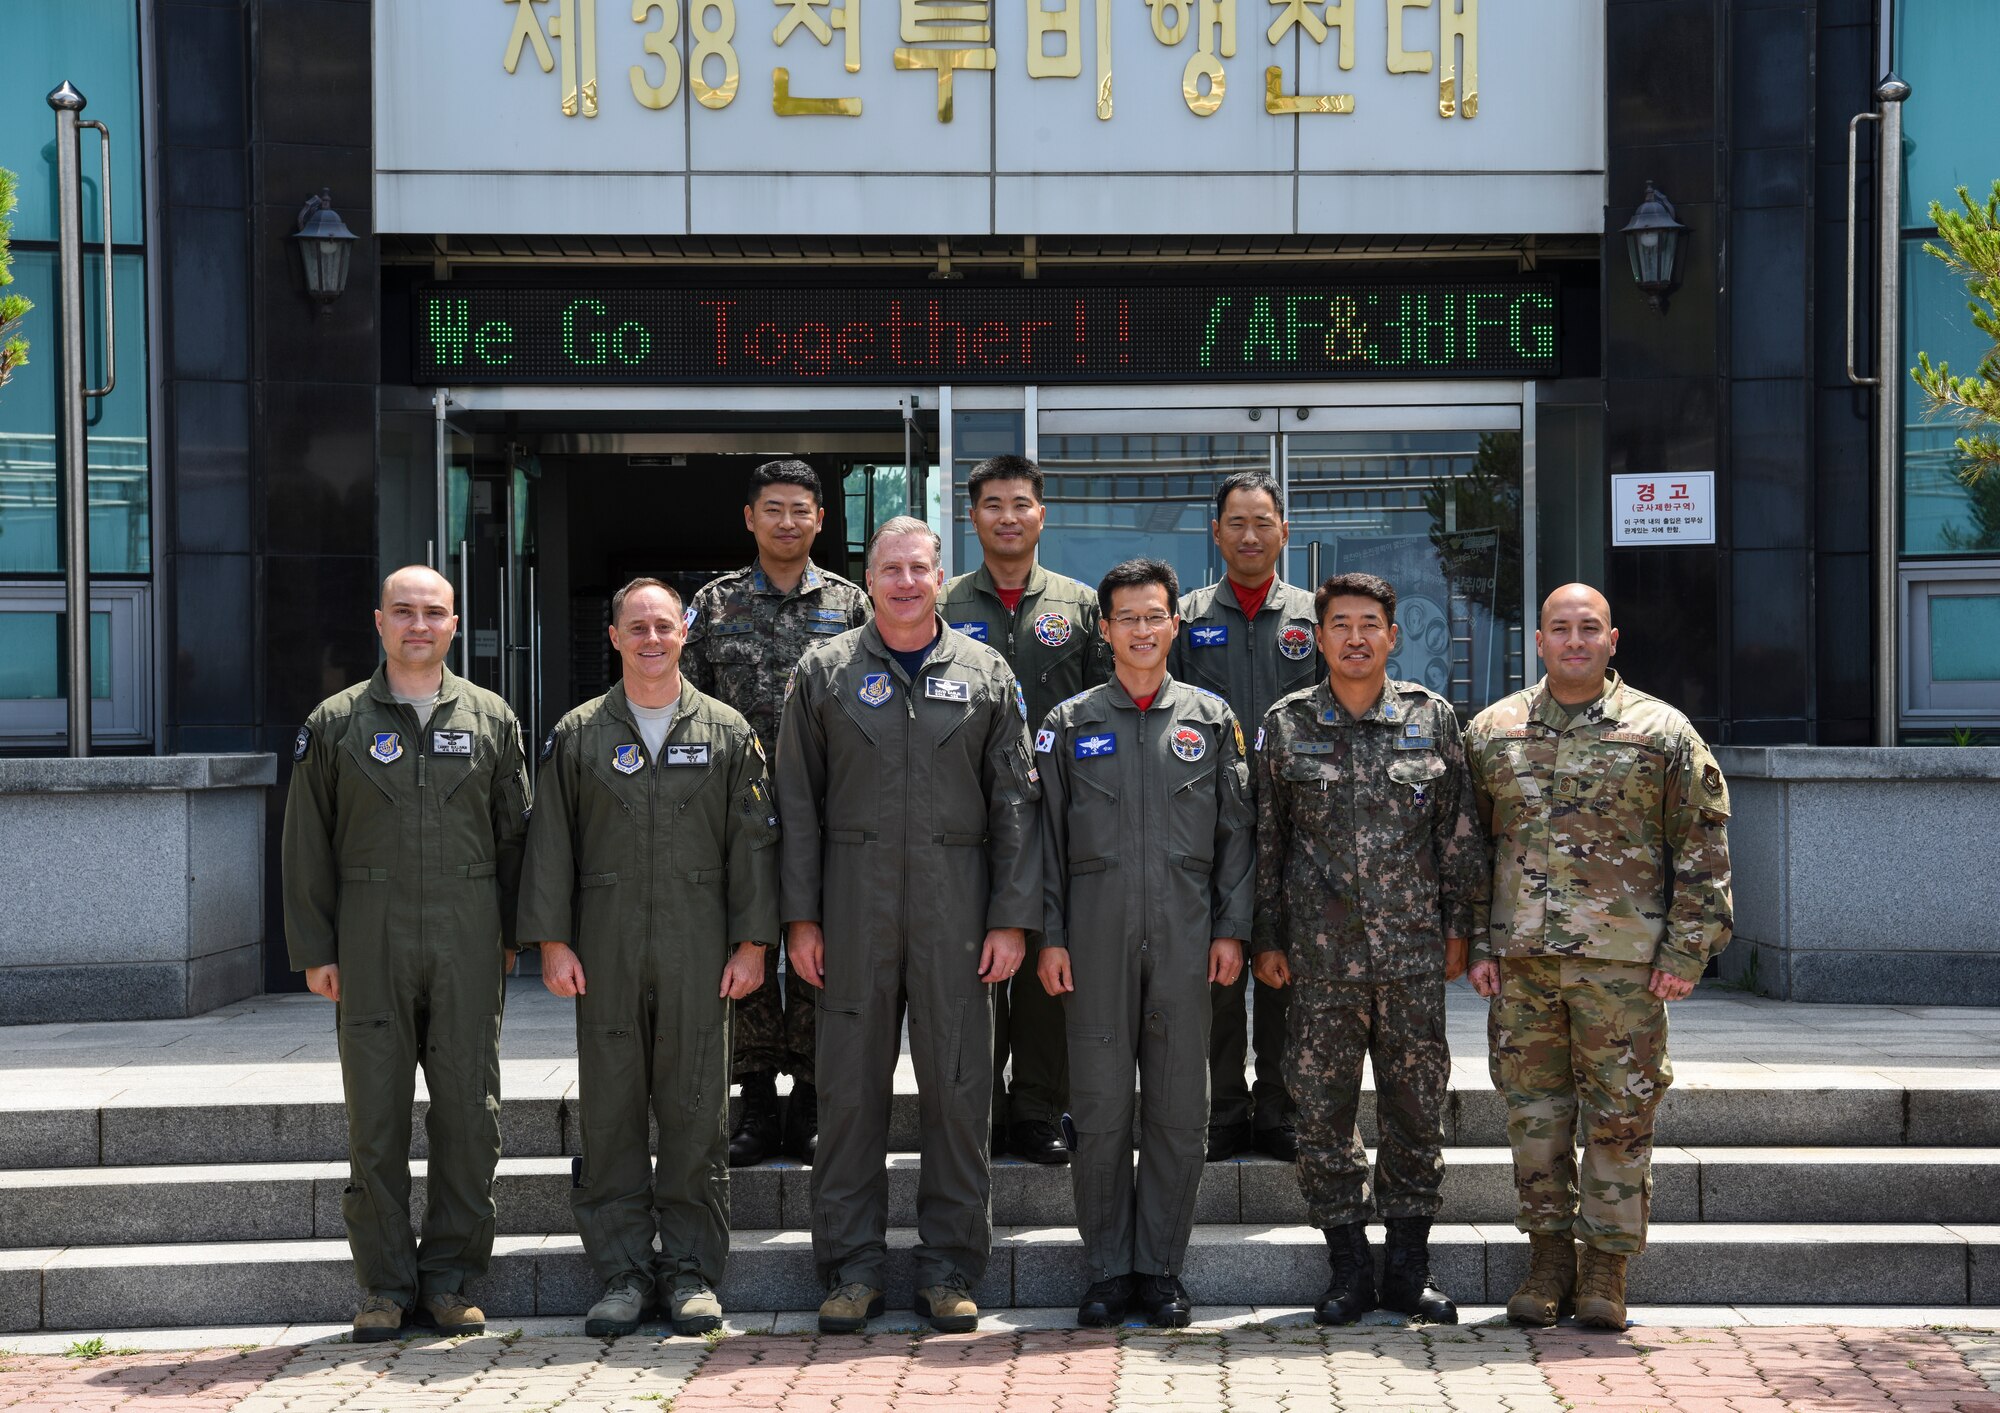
(971, 334)
(945, 37)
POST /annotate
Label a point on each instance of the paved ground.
(282, 1048)
(1246, 1369)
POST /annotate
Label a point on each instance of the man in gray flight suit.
(911, 874)
(1249, 638)
(654, 853)
(402, 850)
(1045, 625)
(1148, 855)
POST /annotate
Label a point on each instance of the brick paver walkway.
(1480, 1369)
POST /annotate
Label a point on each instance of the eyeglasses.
(1126, 622)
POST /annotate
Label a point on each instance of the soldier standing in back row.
(1249, 639)
(1371, 872)
(1045, 625)
(746, 632)
(651, 886)
(402, 850)
(1609, 821)
(1148, 850)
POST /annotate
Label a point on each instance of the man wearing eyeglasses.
(1148, 855)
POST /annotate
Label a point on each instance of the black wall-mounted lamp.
(1653, 241)
(326, 246)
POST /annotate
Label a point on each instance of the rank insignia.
(1045, 741)
(1209, 635)
(974, 630)
(1188, 744)
(388, 746)
(626, 760)
(1296, 644)
(1104, 745)
(874, 689)
(1052, 630)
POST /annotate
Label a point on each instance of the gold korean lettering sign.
(944, 37)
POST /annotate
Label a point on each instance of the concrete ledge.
(50, 775)
(1887, 763)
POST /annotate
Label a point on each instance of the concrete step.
(1747, 1106)
(301, 1201)
(240, 1283)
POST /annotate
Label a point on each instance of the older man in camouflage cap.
(1371, 872)
(1610, 893)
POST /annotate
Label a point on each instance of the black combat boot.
(1351, 1293)
(1406, 1273)
(758, 1127)
(1166, 1301)
(1105, 1304)
(802, 1121)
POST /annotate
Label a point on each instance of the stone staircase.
(225, 1210)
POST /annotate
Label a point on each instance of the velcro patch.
(945, 689)
(692, 753)
(451, 743)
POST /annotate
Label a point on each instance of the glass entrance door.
(487, 520)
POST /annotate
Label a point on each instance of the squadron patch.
(388, 746)
(1020, 700)
(1209, 635)
(1188, 744)
(874, 689)
(626, 760)
(302, 743)
(1052, 630)
(1045, 741)
(691, 753)
(758, 746)
(974, 630)
(549, 745)
(1295, 643)
(1238, 727)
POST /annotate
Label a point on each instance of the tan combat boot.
(1549, 1292)
(948, 1306)
(1600, 1289)
(693, 1307)
(379, 1318)
(849, 1308)
(450, 1313)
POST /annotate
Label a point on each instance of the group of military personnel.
(1021, 815)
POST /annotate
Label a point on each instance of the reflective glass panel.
(1965, 637)
(31, 656)
(95, 45)
(1438, 515)
(1940, 514)
(1945, 49)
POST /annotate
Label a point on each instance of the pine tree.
(1971, 250)
(13, 349)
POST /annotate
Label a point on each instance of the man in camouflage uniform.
(746, 631)
(1610, 893)
(1045, 625)
(1370, 873)
(1248, 639)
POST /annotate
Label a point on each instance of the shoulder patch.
(302, 743)
(1237, 727)
(549, 745)
(687, 618)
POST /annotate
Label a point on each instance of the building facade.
(611, 256)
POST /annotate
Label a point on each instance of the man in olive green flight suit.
(1249, 638)
(746, 630)
(653, 854)
(911, 874)
(1045, 625)
(402, 849)
(1148, 851)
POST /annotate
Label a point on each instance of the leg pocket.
(1100, 1076)
(611, 1094)
(1173, 1069)
(839, 1050)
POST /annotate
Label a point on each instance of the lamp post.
(1653, 242)
(326, 247)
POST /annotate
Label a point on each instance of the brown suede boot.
(1549, 1292)
(1600, 1289)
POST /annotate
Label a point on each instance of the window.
(33, 710)
(1951, 651)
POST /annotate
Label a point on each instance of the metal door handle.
(110, 323)
(1853, 189)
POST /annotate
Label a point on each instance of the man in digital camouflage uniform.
(911, 876)
(1610, 894)
(1371, 870)
(746, 631)
(1249, 639)
(651, 887)
(402, 851)
(1045, 625)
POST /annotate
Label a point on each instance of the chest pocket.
(737, 643)
(1415, 767)
(1313, 762)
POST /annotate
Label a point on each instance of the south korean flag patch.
(1045, 741)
